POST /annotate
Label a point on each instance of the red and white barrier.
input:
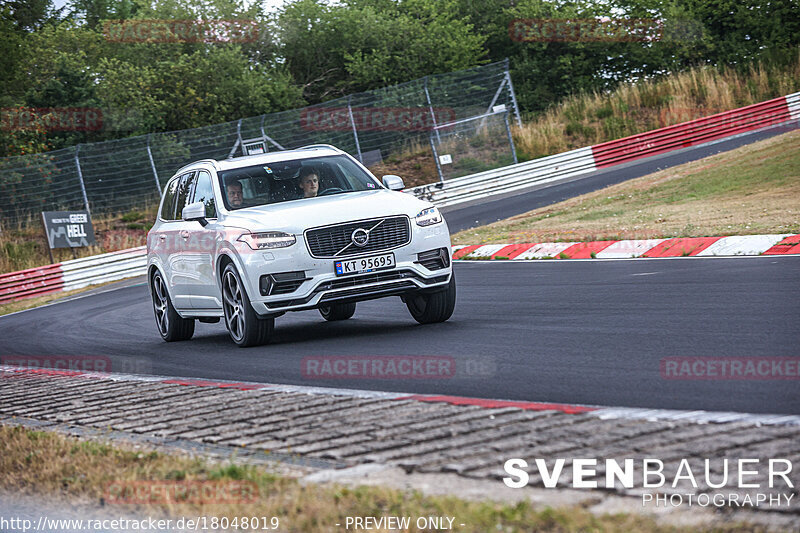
(73, 274)
(31, 282)
(698, 131)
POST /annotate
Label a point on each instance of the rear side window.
(204, 192)
(184, 194)
(168, 207)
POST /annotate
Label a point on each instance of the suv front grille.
(335, 241)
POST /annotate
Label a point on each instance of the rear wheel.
(338, 311)
(435, 307)
(244, 325)
(171, 325)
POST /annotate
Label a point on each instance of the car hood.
(299, 215)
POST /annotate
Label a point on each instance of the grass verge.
(754, 189)
(68, 470)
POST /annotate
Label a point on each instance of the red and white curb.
(604, 413)
(743, 245)
(79, 273)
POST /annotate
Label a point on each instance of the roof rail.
(318, 146)
(213, 163)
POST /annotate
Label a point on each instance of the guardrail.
(113, 266)
(585, 160)
(73, 274)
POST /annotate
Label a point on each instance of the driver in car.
(308, 182)
(234, 192)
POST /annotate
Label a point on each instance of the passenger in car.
(308, 182)
(234, 192)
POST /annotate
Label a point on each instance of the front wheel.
(435, 307)
(171, 325)
(244, 325)
(338, 311)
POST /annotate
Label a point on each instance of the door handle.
(162, 237)
(185, 234)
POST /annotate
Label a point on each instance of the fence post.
(436, 159)
(496, 95)
(80, 178)
(267, 137)
(510, 138)
(430, 108)
(238, 139)
(513, 95)
(153, 165)
(353, 123)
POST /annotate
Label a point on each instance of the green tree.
(740, 31)
(332, 50)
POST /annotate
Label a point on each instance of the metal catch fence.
(118, 175)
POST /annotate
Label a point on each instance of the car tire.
(433, 307)
(244, 325)
(171, 325)
(338, 311)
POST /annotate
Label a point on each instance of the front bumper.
(320, 286)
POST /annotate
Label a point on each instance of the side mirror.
(195, 211)
(392, 182)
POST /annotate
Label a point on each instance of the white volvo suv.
(247, 239)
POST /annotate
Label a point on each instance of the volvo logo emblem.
(360, 237)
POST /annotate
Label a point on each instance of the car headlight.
(428, 217)
(267, 239)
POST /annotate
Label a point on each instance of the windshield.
(284, 181)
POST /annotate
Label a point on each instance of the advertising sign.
(68, 229)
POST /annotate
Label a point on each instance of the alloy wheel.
(233, 306)
(161, 305)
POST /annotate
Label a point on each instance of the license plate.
(364, 264)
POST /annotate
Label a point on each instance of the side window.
(184, 194)
(168, 207)
(204, 192)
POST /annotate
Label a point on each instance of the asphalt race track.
(589, 332)
(473, 214)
